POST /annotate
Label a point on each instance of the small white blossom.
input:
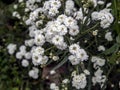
(55, 58)
(101, 48)
(98, 61)
(74, 48)
(52, 72)
(53, 86)
(82, 55)
(39, 39)
(65, 81)
(86, 72)
(11, 48)
(25, 63)
(74, 60)
(19, 55)
(34, 73)
(79, 81)
(57, 40)
(108, 36)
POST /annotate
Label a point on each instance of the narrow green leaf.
(61, 63)
(111, 50)
(118, 39)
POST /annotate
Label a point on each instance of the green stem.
(49, 48)
(61, 63)
(77, 69)
(90, 77)
(89, 45)
(116, 15)
(86, 31)
(103, 88)
(65, 59)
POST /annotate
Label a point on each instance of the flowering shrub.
(64, 44)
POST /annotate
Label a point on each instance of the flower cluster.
(98, 77)
(104, 16)
(59, 31)
(79, 81)
(78, 54)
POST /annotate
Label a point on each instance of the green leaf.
(111, 50)
(77, 2)
(118, 39)
(15, 88)
(113, 58)
(61, 63)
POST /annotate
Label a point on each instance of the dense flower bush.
(64, 44)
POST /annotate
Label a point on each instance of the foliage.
(15, 77)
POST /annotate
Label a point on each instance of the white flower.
(34, 73)
(74, 48)
(106, 18)
(38, 0)
(28, 22)
(74, 60)
(74, 73)
(70, 22)
(73, 31)
(79, 81)
(57, 40)
(108, 5)
(44, 60)
(61, 18)
(79, 14)
(65, 81)
(101, 48)
(94, 2)
(15, 6)
(95, 32)
(101, 2)
(25, 63)
(69, 4)
(98, 61)
(99, 78)
(82, 55)
(32, 29)
(39, 50)
(104, 23)
(33, 16)
(86, 72)
(29, 42)
(38, 23)
(19, 55)
(52, 72)
(16, 14)
(53, 11)
(28, 55)
(94, 15)
(39, 39)
(53, 86)
(55, 3)
(98, 72)
(22, 49)
(62, 30)
(62, 46)
(36, 59)
(11, 48)
(55, 58)
(108, 36)
(94, 58)
(20, 1)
